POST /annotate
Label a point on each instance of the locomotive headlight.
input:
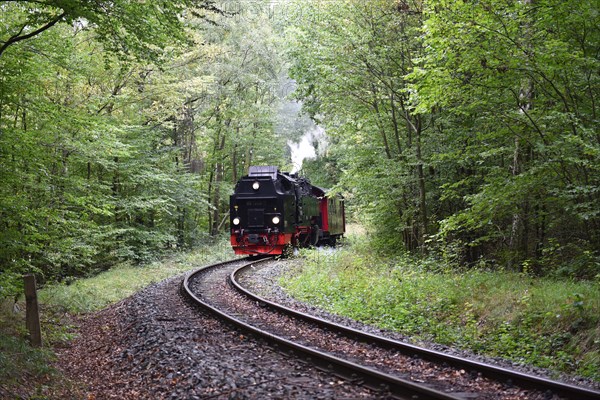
(236, 221)
(275, 220)
(255, 185)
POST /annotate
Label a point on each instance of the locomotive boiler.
(272, 210)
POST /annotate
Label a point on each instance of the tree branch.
(16, 38)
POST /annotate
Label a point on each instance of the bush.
(542, 321)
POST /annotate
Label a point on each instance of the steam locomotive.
(272, 210)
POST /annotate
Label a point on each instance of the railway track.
(400, 369)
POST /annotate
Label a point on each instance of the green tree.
(469, 127)
(128, 28)
(520, 83)
(111, 154)
(350, 62)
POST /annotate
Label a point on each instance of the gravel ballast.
(155, 345)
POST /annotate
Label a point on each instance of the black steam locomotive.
(271, 210)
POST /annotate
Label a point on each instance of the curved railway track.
(400, 369)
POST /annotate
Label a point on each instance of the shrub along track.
(404, 370)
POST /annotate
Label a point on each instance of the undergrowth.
(86, 295)
(539, 321)
(26, 372)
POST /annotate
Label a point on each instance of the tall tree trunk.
(211, 177)
(234, 162)
(526, 95)
(380, 124)
(216, 211)
(216, 180)
(115, 190)
(423, 220)
(181, 214)
(184, 140)
(395, 124)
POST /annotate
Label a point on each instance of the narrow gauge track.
(206, 288)
(375, 361)
(547, 388)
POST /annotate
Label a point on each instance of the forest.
(467, 131)
(124, 126)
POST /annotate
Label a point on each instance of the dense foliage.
(465, 128)
(123, 127)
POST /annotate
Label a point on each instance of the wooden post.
(32, 315)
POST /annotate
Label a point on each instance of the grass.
(20, 362)
(26, 372)
(544, 322)
(87, 295)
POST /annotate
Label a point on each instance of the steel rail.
(526, 381)
(395, 386)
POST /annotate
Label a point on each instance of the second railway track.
(400, 369)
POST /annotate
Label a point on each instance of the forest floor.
(28, 373)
